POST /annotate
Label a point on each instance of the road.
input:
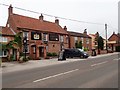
(99, 72)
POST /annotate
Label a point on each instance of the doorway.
(41, 51)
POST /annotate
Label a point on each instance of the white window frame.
(87, 41)
(26, 34)
(61, 38)
(34, 49)
(67, 39)
(76, 39)
(45, 38)
(3, 53)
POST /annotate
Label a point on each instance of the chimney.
(41, 17)
(65, 28)
(10, 10)
(113, 32)
(85, 31)
(57, 21)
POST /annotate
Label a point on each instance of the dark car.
(75, 53)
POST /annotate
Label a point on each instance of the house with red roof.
(75, 37)
(42, 36)
(6, 36)
(114, 42)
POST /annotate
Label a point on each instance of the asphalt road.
(91, 73)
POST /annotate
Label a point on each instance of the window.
(3, 53)
(45, 37)
(76, 38)
(61, 38)
(87, 41)
(53, 37)
(27, 49)
(82, 39)
(34, 49)
(67, 39)
(46, 48)
(25, 34)
(3, 39)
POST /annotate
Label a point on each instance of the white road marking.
(116, 59)
(99, 63)
(55, 75)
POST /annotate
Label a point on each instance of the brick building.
(42, 36)
(114, 42)
(6, 36)
(77, 37)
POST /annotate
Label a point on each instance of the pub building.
(42, 36)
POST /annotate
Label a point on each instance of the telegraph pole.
(106, 37)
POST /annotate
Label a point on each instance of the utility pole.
(106, 37)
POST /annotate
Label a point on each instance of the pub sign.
(35, 36)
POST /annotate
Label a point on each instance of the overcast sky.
(96, 11)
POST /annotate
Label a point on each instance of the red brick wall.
(85, 45)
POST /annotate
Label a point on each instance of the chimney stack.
(113, 32)
(10, 10)
(57, 21)
(41, 17)
(85, 31)
(65, 28)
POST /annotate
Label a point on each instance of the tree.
(16, 43)
(100, 43)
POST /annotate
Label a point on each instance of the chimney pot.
(57, 21)
(65, 28)
(85, 31)
(10, 10)
(41, 17)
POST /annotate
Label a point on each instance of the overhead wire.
(58, 16)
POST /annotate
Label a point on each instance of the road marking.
(55, 75)
(99, 63)
(116, 59)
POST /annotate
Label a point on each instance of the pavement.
(15, 66)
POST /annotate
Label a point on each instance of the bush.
(49, 54)
(11, 57)
(85, 49)
(21, 54)
(22, 58)
(54, 54)
(117, 48)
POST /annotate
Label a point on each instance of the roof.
(6, 31)
(78, 34)
(117, 35)
(93, 35)
(36, 24)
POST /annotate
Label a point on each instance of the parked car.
(75, 53)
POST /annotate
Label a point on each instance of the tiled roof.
(118, 36)
(36, 24)
(6, 31)
(78, 34)
(93, 35)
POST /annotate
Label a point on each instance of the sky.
(96, 11)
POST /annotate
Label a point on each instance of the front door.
(41, 51)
